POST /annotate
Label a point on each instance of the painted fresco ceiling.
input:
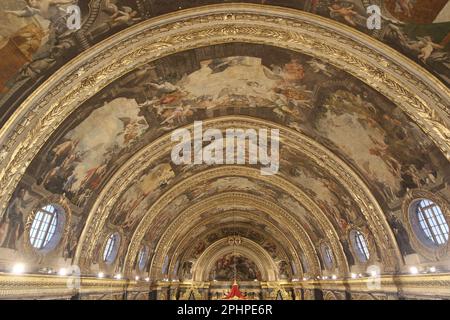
(35, 43)
(358, 125)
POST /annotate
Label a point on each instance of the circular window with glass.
(111, 248)
(47, 227)
(429, 223)
(142, 258)
(327, 256)
(359, 244)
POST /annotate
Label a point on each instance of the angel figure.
(320, 67)
(178, 114)
(165, 87)
(131, 129)
(44, 8)
(122, 15)
(425, 46)
(52, 11)
(347, 13)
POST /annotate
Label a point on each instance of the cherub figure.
(347, 13)
(425, 46)
(122, 15)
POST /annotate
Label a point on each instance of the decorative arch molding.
(248, 248)
(320, 155)
(237, 199)
(280, 237)
(362, 296)
(329, 295)
(421, 96)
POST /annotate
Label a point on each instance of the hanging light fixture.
(235, 240)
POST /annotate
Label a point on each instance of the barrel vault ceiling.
(86, 119)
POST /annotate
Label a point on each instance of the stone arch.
(248, 248)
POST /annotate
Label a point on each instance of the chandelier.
(235, 293)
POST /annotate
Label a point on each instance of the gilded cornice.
(432, 285)
(42, 286)
(423, 98)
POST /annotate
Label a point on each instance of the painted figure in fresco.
(425, 46)
(131, 129)
(131, 213)
(93, 178)
(199, 248)
(225, 268)
(28, 39)
(404, 6)
(45, 8)
(120, 15)
(347, 252)
(283, 269)
(320, 67)
(49, 10)
(400, 234)
(347, 13)
(186, 270)
(63, 160)
(314, 5)
(3, 231)
(271, 248)
(40, 55)
(62, 151)
(72, 242)
(15, 214)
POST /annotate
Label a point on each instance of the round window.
(429, 223)
(46, 228)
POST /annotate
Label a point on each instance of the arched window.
(360, 245)
(165, 265)
(431, 221)
(142, 259)
(111, 248)
(43, 231)
(327, 256)
(304, 263)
